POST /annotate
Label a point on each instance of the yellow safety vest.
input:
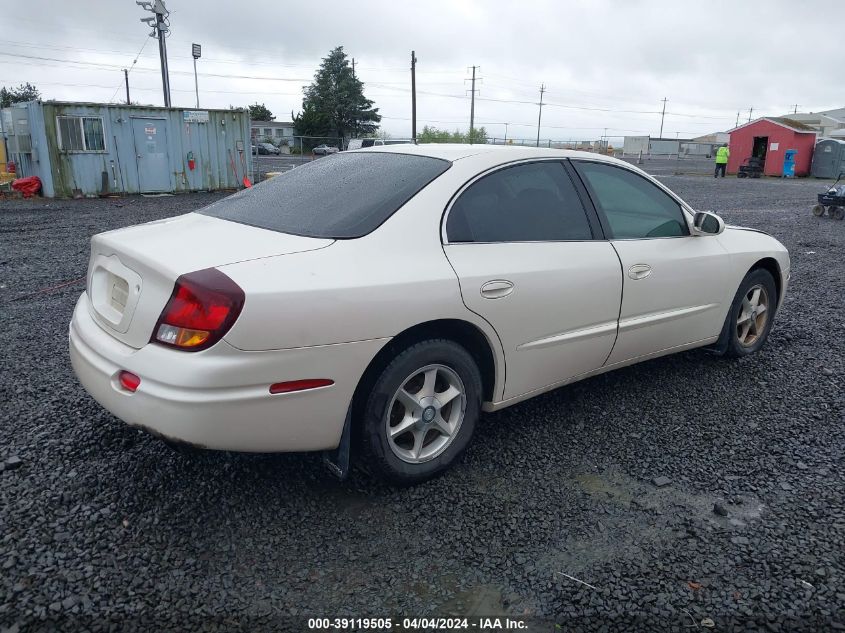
(722, 155)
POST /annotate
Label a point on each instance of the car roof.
(506, 153)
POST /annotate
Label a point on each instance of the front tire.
(422, 411)
(751, 316)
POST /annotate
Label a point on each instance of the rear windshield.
(340, 196)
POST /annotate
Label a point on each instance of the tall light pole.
(196, 52)
(160, 27)
(662, 115)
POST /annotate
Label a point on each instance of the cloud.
(600, 58)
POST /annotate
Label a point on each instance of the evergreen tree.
(260, 112)
(24, 92)
(334, 104)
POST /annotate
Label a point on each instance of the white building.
(828, 123)
(276, 132)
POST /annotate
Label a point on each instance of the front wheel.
(752, 312)
(421, 412)
(818, 210)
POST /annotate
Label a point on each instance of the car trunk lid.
(132, 271)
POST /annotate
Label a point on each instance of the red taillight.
(202, 308)
(128, 381)
(300, 385)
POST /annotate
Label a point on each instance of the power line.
(129, 70)
(106, 66)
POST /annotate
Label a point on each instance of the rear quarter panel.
(373, 287)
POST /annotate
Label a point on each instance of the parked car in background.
(325, 149)
(296, 320)
(360, 143)
(268, 148)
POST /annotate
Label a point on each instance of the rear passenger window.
(634, 207)
(534, 202)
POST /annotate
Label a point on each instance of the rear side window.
(342, 196)
(534, 202)
(634, 207)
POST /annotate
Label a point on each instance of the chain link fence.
(292, 152)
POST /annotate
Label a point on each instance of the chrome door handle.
(639, 271)
(496, 289)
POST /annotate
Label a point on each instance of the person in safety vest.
(722, 155)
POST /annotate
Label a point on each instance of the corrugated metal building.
(92, 149)
(633, 145)
(768, 139)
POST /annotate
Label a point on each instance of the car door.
(674, 282)
(528, 260)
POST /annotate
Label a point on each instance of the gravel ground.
(611, 481)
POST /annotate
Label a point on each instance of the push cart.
(832, 201)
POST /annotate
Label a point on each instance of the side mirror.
(706, 223)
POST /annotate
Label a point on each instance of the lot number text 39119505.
(408, 624)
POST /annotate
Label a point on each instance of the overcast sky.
(605, 63)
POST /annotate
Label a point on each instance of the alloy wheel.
(425, 414)
(753, 315)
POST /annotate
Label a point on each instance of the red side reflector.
(300, 385)
(128, 381)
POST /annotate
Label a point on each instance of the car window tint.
(535, 202)
(340, 196)
(634, 207)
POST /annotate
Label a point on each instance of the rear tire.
(837, 213)
(747, 326)
(421, 413)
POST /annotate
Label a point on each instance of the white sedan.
(393, 294)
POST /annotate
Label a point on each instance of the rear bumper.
(219, 398)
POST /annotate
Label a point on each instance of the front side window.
(81, 133)
(634, 207)
(534, 202)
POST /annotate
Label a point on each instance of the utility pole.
(413, 96)
(126, 79)
(540, 115)
(750, 110)
(795, 109)
(159, 26)
(662, 115)
(506, 133)
(737, 119)
(472, 108)
(196, 53)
